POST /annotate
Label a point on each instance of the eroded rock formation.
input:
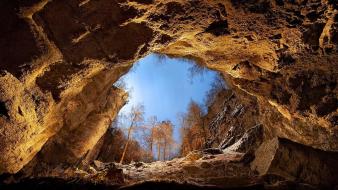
(231, 113)
(285, 159)
(60, 58)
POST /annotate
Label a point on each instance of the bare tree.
(152, 124)
(135, 117)
(158, 139)
(167, 128)
(194, 131)
(163, 137)
(147, 134)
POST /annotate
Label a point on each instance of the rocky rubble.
(275, 164)
(249, 142)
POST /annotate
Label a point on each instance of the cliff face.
(229, 115)
(60, 58)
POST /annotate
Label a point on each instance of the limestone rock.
(59, 60)
(250, 140)
(295, 162)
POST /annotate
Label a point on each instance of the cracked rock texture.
(60, 58)
(291, 161)
(276, 164)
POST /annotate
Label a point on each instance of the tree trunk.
(205, 135)
(151, 143)
(126, 145)
(164, 149)
(169, 150)
(158, 151)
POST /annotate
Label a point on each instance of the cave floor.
(204, 168)
(208, 169)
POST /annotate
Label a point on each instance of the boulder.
(250, 140)
(291, 161)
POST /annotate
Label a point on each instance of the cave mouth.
(191, 147)
(276, 124)
(161, 90)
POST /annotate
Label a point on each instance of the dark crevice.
(16, 33)
(3, 110)
(147, 2)
(312, 16)
(218, 28)
(286, 60)
(312, 34)
(20, 111)
(281, 95)
(262, 7)
(222, 9)
(327, 106)
(280, 2)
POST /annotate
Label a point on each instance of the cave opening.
(164, 117)
(181, 122)
(274, 128)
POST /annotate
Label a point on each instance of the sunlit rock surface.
(231, 113)
(60, 58)
(78, 142)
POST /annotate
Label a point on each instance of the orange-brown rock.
(60, 58)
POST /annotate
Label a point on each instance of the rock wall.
(274, 50)
(231, 113)
(59, 59)
(281, 159)
(73, 142)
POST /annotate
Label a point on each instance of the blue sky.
(165, 88)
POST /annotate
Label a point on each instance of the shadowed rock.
(294, 162)
(59, 60)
